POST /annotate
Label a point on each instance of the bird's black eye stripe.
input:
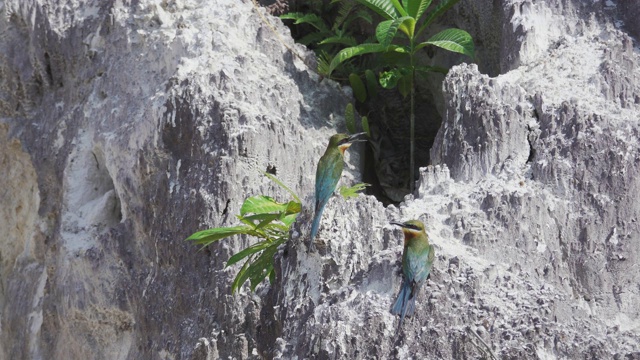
(412, 227)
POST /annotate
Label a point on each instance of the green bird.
(417, 258)
(329, 171)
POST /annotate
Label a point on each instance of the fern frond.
(313, 38)
(343, 13)
(324, 61)
(311, 19)
(344, 40)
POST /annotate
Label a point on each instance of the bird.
(417, 259)
(328, 173)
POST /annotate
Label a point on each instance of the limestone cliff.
(126, 126)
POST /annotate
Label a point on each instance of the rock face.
(126, 127)
(531, 209)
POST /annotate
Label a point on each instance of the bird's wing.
(327, 177)
(418, 264)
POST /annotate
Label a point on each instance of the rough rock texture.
(532, 212)
(627, 12)
(124, 127)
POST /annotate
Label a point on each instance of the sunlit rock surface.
(125, 127)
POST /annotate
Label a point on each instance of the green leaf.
(311, 19)
(455, 40)
(260, 268)
(383, 8)
(365, 126)
(343, 13)
(437, 12)
(401, 10)
(357, 85)
(350, 118)
(293, 207)
(272, 276)
(206, 237)
(313, 38)
(292, 16)
(274, 222)
(267, 221)
(261, 275)
(351, 192)
(415, 8)
(248, 251)
(245, 221)
(364, 16)
(408, 27)
(372, 83)
(429, 69)
(261, 217)
(261, 205)
(350, 52)
(395, 58)
(241, 276)
(257, 269)
(282, 185)
(404, 84)
(389, 79)
(288, 220)
(323, 63)
(386, 30)
(276, 229)
(342, 40)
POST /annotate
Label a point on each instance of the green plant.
(350, 121)
(402, 18)
(264, 218)
(325, 39)
(368, 88)
(351, 192)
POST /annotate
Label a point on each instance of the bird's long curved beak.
(398, 223)
(358, 137)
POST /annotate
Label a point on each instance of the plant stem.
(413, 138)
(412, 141)
(412, 121)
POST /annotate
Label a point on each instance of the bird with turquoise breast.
(329, 172)
(417, 258)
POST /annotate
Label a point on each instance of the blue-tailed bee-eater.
(328, 173)
(417, 259)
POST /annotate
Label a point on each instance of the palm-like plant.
(402, 18)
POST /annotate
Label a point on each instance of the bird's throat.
(408, 235)
(343, 148)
